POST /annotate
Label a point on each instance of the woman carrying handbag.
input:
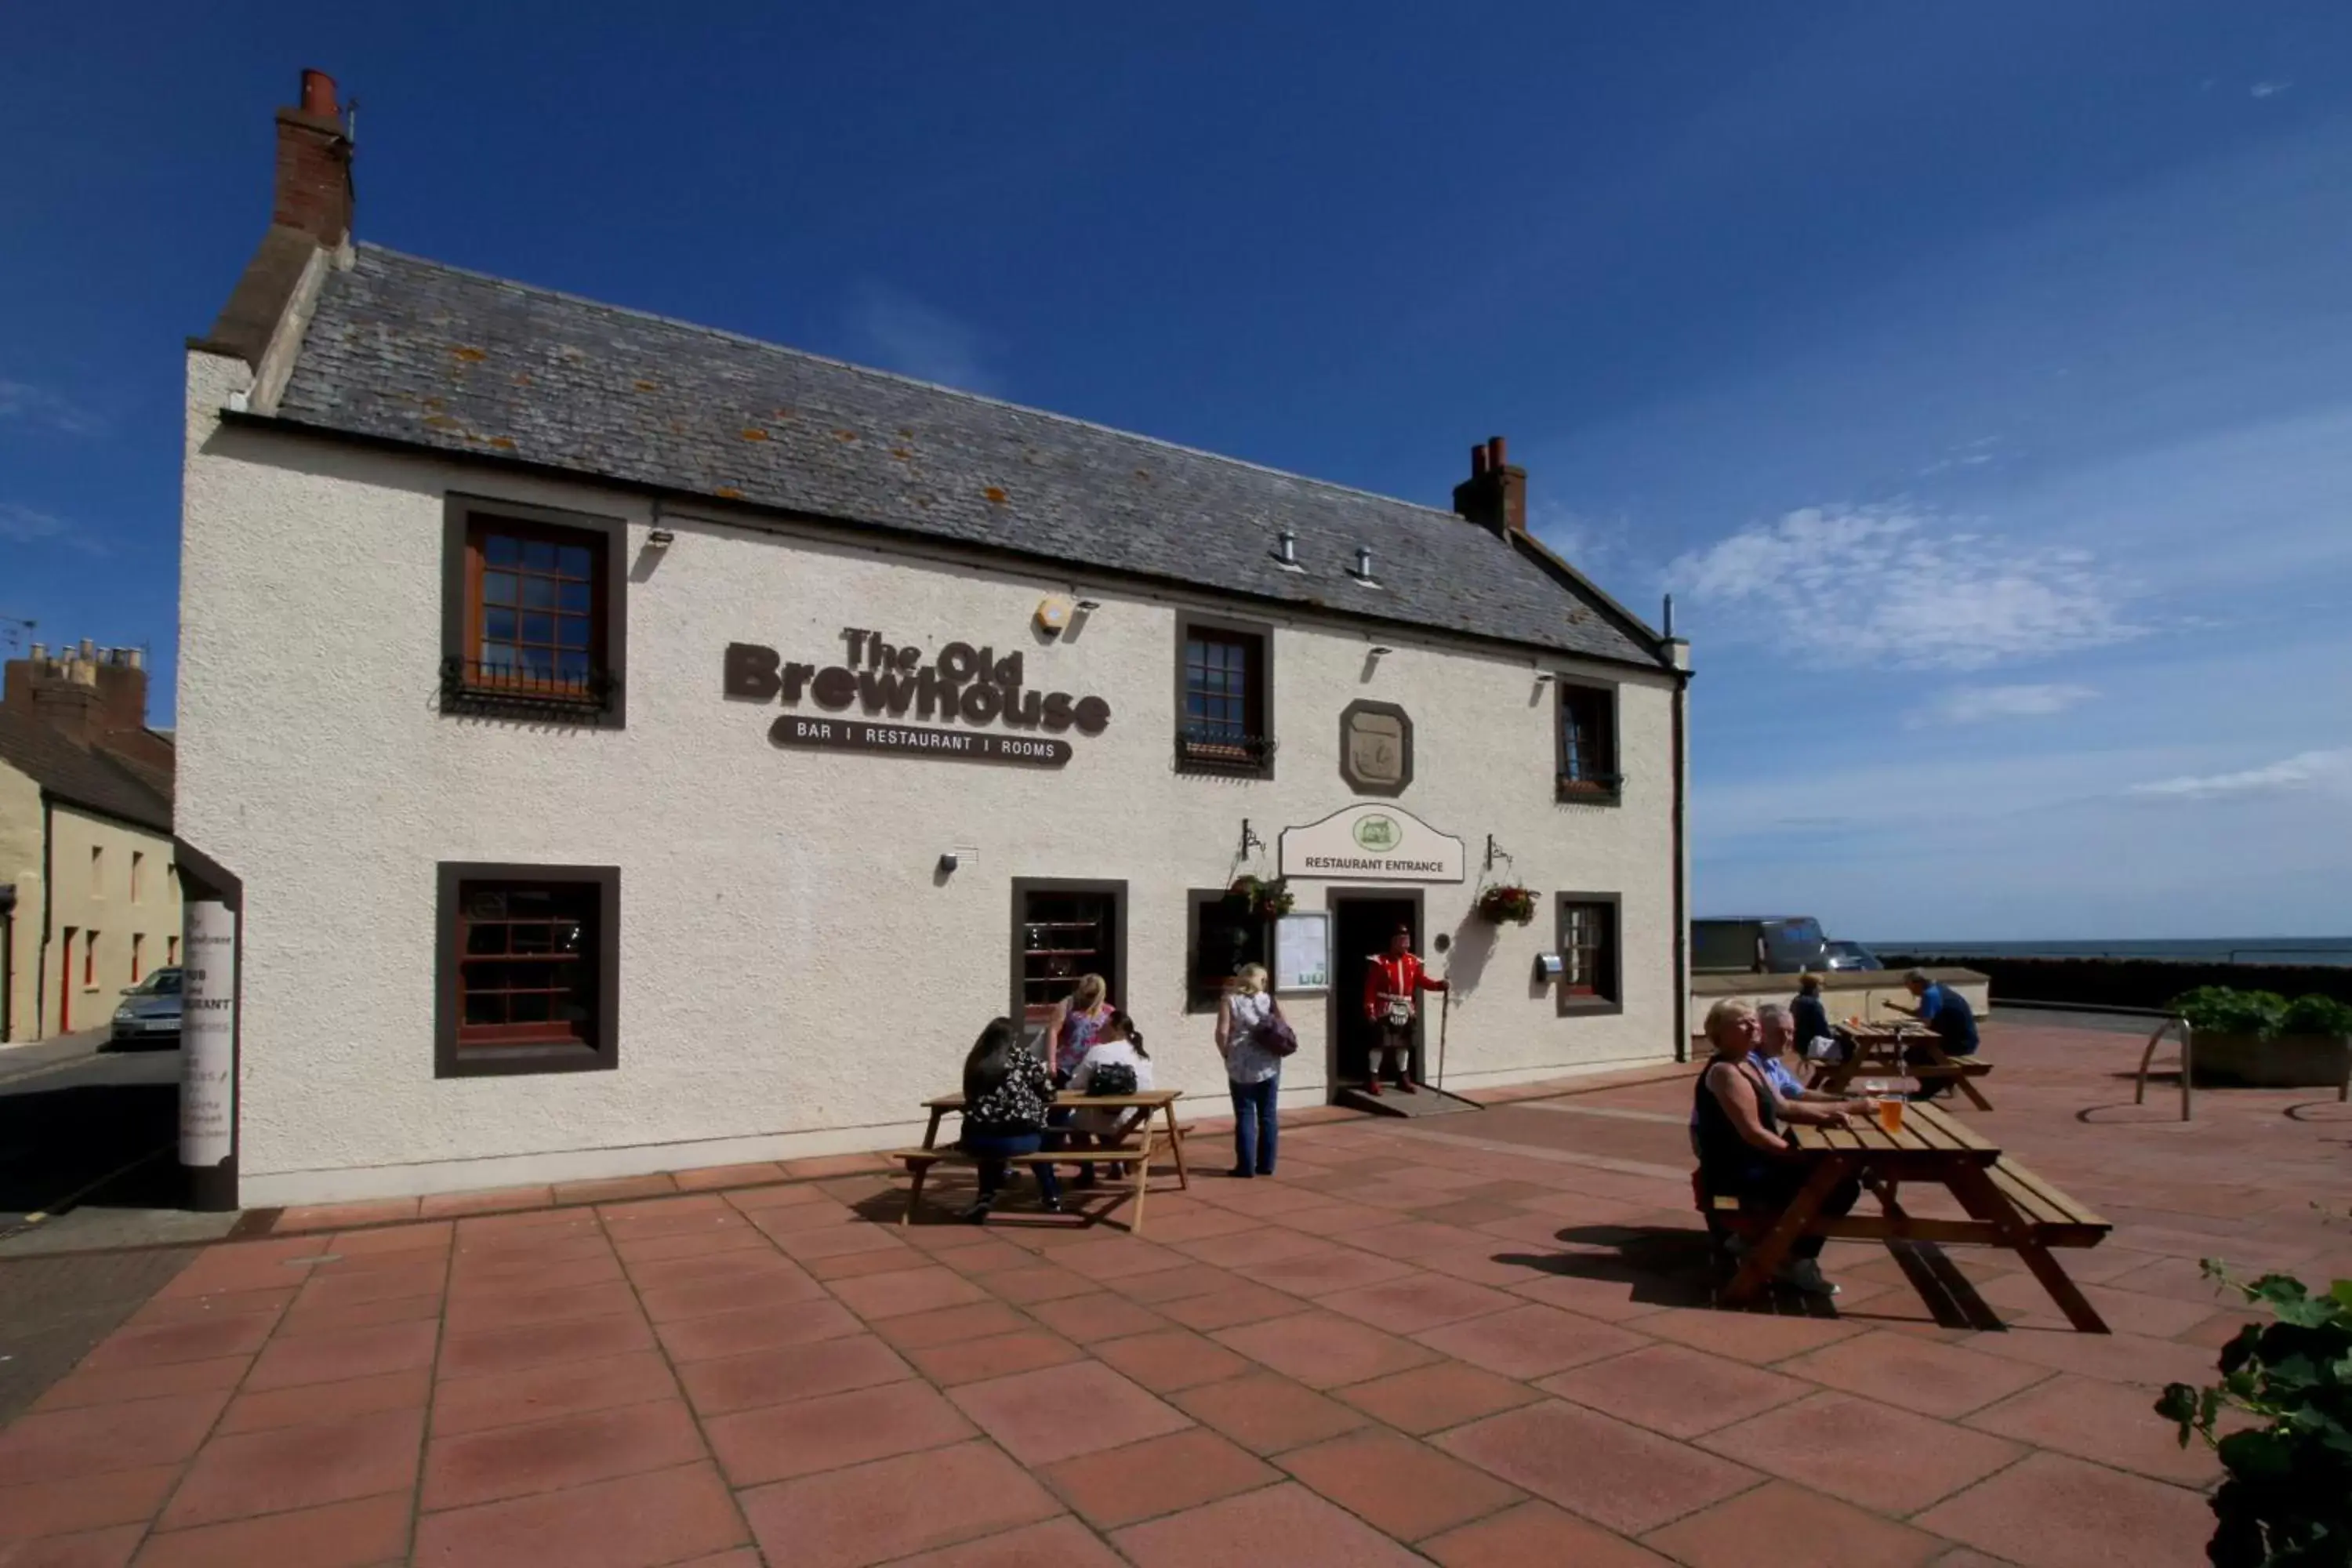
(1253, 1037)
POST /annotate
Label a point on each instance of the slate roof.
(414, 352)
(83, 775)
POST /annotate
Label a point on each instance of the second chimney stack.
(1494, 496)
(314, 165)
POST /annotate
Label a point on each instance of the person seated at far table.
(1742, 1150)
(1115, 1064)
(1812, 1017)
(1947, 1013)
(1004, 1094)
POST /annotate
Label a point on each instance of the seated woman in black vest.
(1005, 1091)
(1743, 1153)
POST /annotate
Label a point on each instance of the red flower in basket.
(1507, 905)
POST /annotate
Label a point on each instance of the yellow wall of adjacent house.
(20, 863)
(106, 877)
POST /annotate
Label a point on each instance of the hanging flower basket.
(1267, 899)
(1507, 905)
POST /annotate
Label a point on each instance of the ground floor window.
(529, 969)
(89, 958)
(170, 950)
(1061, 930)
(1222, 935)
(138, 951)
(1589, 969)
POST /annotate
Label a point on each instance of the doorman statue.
(1392, 984)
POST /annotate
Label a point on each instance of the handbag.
(1111, 1079)
(1275, 1036)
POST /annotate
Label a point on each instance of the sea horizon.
(2318, 950)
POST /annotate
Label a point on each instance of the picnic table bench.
(2007, 1205)
(1888, 1048)
(1130, 1153)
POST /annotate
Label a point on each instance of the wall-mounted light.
(1548, 966)
(661, 539)
(948, 862)
(1088, 605)
(1544, 678)
(1382, 652)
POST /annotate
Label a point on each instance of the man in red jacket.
(1391, 995)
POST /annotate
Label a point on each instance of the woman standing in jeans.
(1256, 1072)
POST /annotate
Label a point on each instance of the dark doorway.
(1360, 925)
(1062, 929)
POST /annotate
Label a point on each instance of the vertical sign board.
(1302, 951)
(208, 1036)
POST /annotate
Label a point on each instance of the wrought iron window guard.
(468, 686)
(1213, 749)
(1589, 786)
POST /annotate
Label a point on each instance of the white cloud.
(899, 333)
(1899, 586)
(23, 525)
(2300, 774)
(1976, 704)
(2269, 88)
(23, 400)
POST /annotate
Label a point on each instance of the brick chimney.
(91, 695)
(1494, 496)
(314, 164)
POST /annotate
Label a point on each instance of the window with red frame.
(535, 609)
(527, 959)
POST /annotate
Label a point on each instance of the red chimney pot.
(1478, 459)
(1495, 452)
(318, 93)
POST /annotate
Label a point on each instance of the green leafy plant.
(2287, 1500)
(2224, 1010)
(2316, 1014)
(1505, 904)
(1267, 900)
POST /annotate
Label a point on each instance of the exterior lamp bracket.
(1249, 840)
(1495, 852)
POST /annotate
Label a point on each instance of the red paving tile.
(1039, 1418)
(1096, 1317)
(130, 1350)
(876, 1512)
(896, 1295)
(194, 1308)
(88, 1549)
(1266, 1414)
(1228, 1306)
(500, 1199)
(469, 1313)
(1157, 1476)
(1401, 1488)
(335, 1217)
(1759, 1337)
(2118, 1358)
(1866, 1452)
(407, 1390)
(1169, 1360)
(1432, 1398)
(786, 1373)
(1615, 1475)
(83, 1502)
(59, 1444)
(1038, 1282)
(1321, 1273)
(1916, 1374)
(1804, 1529)
(779, 1441)
(2052, 1511)
(711, 1178)
(1001, 1355)
(541, 1344)
(347, 1353)
(1322, 1349)
(2106, 1422)
(982, 1319)
(299, 1466)
(1286, 1524)
(757, 1327)
(339, 1535)
(1530, 1341)
(1057, 1541)
(1417, 1302)
(536, 1394)
(637, 1521)
(434, 1236)
(1674, 1390)
(81, 1388)
(567, 1451)
(763, 1285)
(1536, 1535)
(613, 1189)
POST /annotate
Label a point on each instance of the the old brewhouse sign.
(886, 685)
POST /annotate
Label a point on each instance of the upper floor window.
(1587, 756)
(97, 872)
(1224, 709)
(534, 623)
(137, 865)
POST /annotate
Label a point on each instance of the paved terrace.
(1477, 1341)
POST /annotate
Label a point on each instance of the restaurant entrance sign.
(1371, 843)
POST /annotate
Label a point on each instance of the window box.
(1225, 698)
(528, 972)
(534, 622)
(1592, 971)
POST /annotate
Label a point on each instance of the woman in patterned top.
(1004, 1093)
(1077, 1020)
(1254, 1072)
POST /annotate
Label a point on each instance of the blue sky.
(1975, 375)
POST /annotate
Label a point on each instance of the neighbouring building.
(89, 894)
(636, 746)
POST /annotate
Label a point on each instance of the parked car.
(150, 1013)
(1757, 944)
(1852, 955)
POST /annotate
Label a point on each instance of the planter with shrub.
(1267, 899)
(2258, 1039)
(1507, 905)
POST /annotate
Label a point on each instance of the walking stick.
(1445, 1013)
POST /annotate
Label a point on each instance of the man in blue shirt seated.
(1947, 1013)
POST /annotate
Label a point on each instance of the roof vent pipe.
(1286, 547)
(1670, 616)
(1364, 560)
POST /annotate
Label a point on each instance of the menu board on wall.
(1302, 951)
(208, 1035)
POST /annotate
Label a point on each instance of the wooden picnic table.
(1141, 1108)
(2007, 1205)
(1885, 1050)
